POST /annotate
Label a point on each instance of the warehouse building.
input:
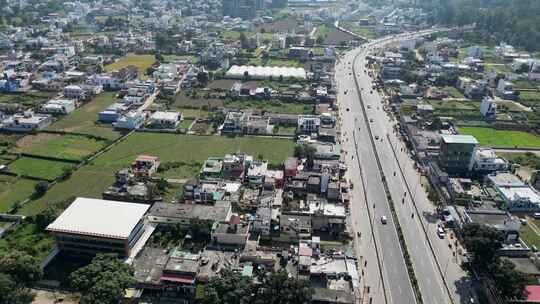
(89, 226)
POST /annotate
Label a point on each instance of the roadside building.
(90, 226)
(59, 106)
(165, 120)
(187, 214)
(457, 153)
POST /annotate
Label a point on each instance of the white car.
(384, 220)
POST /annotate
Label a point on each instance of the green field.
(27, 238)
(27, 99)
(186, 123)
(275, 62)
(501, 138)
(40, 168)
(13, 189)
(271, 106)
(142, 62)
(529, 236)
(364, 31)
(91, 180)
(83, 120)
(72, 147)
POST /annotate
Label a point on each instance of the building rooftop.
(505, 179)
(102, 218)
(459, 139)
(218, 212)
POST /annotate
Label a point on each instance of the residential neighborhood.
(282, 151)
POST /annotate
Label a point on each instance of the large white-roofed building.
(265, 72)
(90, 226)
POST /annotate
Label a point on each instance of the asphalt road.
(432, 257)
(379, 243)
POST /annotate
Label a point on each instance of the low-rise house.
(59, 106)
(131, 120)
(486, 161)
(234, 123)
(517, 196)
(488, 108)
(187, 214)
(145, 166)
(165, 120)
(256, 172)
(308, 124)
(26, 122)
(295, 226)
(112, 113)
(290, 167)
(75, 92)
(233, 234)
(212, 168)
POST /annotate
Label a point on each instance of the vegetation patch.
(92, 179)
(271, 106)
(71, 147)
(38, 168)
(142, 62)
(502, 138)
(27, 237)
(14, 190)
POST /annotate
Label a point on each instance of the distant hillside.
(515, 21)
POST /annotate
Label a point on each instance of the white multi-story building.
(59, 106)
(486, 160)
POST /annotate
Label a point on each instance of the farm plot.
(502, 138)
(13, 190)
(70, 147)
(142, 62)
(38, 168)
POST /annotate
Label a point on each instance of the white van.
(440, 232)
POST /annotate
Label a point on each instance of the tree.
(482, 242)
(246, 75)
(41, 188)
(243, 40)
(51, 212)
(23, 268)
(305, 151)
(202, 78)
(103, 280)
(10, 293)
(276, 288)
(509, 282)
(320, 39)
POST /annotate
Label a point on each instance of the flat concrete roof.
(459, 139)
(101, 218)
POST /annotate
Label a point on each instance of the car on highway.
(371, 120)
(384, 220)
(440, 232)
(376, 137)
(369, 106)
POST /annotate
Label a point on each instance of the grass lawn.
(194, 113)
(364, 31)
(27, 238)
(284, 130)
(40, 168)
(529, 236)
(83, 120)
(184, 124)
(13, 189)
(93, 179)
(271, 106)
(28, 99)
(142, 62)
(173, 58)
(500, 68)
(72, 147)
(502, 138)
(275, 62)
(230, 35)
(455, 93)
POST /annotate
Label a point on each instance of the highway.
(372, 146)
